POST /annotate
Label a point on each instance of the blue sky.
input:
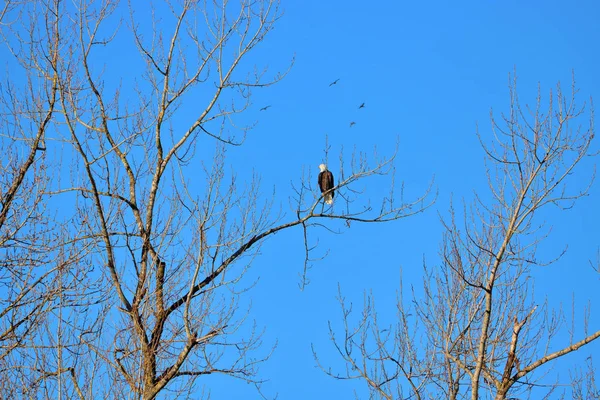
(429, 73)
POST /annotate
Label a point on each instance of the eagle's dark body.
(326, 183)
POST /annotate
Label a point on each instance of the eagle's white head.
(323, 167)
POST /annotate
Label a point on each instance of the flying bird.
(334, 82)
(264, 108)
(326, 183)
(352, 124)
(361, 106)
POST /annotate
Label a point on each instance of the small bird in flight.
(334, 82)
(352, 124)
(264, 108)
(361, 106)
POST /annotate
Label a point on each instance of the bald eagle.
(326, 183)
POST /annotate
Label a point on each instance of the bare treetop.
(477, 332)
(164, 231)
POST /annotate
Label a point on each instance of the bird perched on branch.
(326, 183)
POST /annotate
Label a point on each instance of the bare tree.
(584, 382)
(40, 273)
(477, 332)
(156, 231)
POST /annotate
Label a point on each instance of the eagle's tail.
(329, 198)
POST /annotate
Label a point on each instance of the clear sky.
(428, 73)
